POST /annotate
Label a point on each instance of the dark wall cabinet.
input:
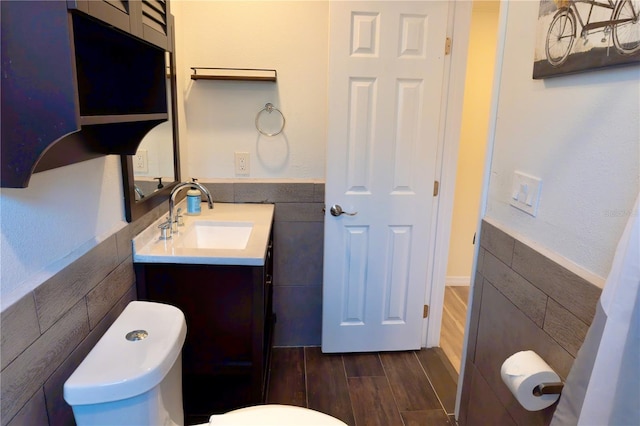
(229, 328)
(75, 87)
(145, 19)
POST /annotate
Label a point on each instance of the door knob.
(336, 210)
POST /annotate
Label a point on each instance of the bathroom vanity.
(218, 270)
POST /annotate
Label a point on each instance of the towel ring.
(269, 108)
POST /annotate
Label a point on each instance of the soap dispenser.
(194, 198)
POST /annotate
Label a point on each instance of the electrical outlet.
(242, 163)
(141, 161)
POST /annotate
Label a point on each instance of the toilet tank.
(133, 375)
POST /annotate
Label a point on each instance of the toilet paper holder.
(548, 389)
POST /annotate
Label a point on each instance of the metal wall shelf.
(238, 74)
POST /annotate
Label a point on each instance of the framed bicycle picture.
(582, 35)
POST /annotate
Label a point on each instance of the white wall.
(581, 135)
(61, 215)
(217, 117)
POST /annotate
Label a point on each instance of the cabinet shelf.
(75, 89)
(237, 74)
(88, 120)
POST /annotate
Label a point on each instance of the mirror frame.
(136, 209)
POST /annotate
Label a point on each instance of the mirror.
(150, 175)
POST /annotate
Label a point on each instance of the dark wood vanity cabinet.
(230, 320)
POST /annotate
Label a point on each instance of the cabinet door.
(156, 23)
(121, 14)
(145, 19)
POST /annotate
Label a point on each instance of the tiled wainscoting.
(522, 300)
(298, 243)
(48, 332)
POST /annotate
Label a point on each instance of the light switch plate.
(525, 192)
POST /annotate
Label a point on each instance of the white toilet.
(133, 377)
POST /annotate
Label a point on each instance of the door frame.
(493, 117)
(458, 30)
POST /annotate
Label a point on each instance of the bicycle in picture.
(594, 33)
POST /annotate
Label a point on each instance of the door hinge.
(425, 311)
(436, 188)
(447, 46)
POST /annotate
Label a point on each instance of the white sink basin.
(228, 234)
(207, 234)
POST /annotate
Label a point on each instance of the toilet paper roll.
(522, 372)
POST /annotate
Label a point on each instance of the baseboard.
(457, 281)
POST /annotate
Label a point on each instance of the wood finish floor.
(410, 388)
(454, 317)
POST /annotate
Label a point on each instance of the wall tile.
(504, 330)
(60, 413)
(299, 212)
(472, 332)
(318, 192)
(527, 297)
(564, 327)
(58, 294)
(27, 373)
(571, 291)
(528, 302)
(497, 242)
(299, 315)
(221, 192)
(466, 393)
(484, 407)
(298, 253)
(108, 291)
(161, 210)
(19, 328)
(273, 192)
(123, 243)
(481, 253)
(34, 413)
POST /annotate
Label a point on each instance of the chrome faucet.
(178, 188)
(138, 191)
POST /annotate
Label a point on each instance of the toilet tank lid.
(117, 367)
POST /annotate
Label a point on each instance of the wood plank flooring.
(412, 388)
(454, 316)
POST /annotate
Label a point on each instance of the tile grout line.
(431, 384)
(395, 400)
(346, 378)
(304, 369)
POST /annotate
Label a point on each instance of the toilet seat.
(273, 415)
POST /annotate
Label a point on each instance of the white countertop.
(149, 248)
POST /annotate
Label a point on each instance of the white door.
(386, 65)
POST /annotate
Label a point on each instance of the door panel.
(385, 84)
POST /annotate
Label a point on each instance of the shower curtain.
(603, 386)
